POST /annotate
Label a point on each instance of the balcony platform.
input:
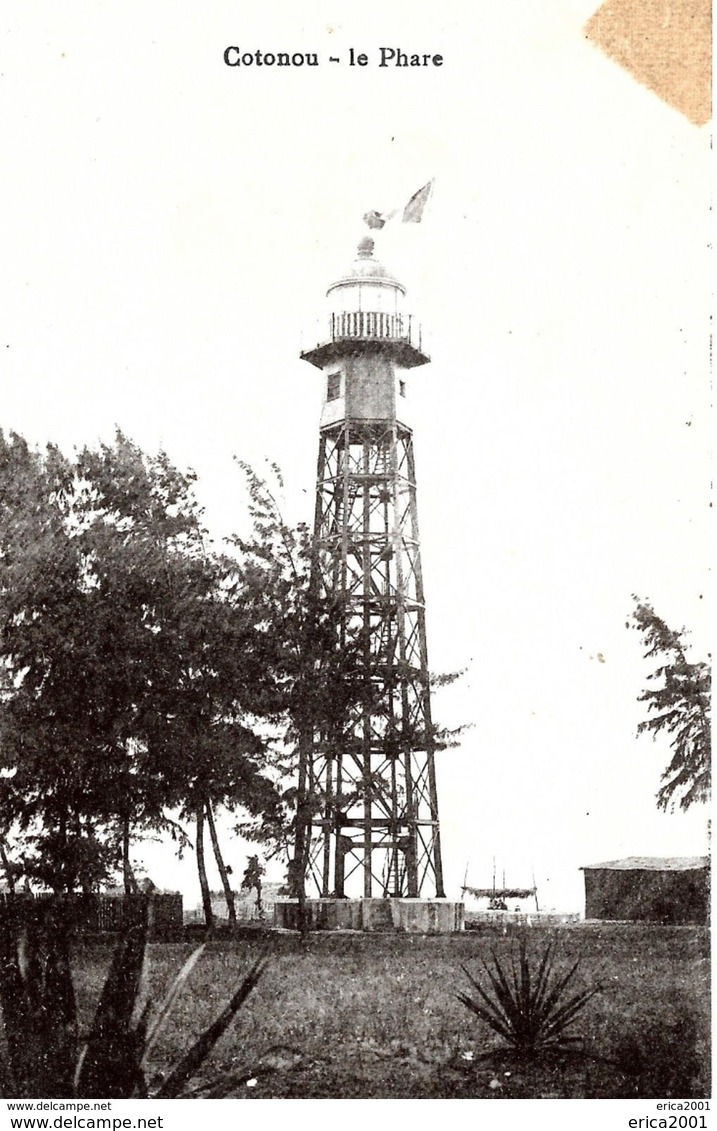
(361, 333)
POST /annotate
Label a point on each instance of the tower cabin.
(371, 341)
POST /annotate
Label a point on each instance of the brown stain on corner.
(665, 44)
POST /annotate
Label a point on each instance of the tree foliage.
(316, 676)
(252, 881)
(149, 679)
(678, 706)
(128, 663)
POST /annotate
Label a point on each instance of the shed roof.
(652, 864)
(506, 893)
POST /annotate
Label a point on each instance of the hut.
(499, 899)
(656, 889)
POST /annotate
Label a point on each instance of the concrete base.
(321, 914)
(377, 914)
(423, 916)
(429, 916)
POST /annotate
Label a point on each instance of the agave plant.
(44, 1054)
(532, 1009)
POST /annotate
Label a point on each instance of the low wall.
(521, 918)
(424, 916)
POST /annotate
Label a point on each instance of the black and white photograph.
(355, 518)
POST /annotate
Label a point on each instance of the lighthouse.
(368, 806)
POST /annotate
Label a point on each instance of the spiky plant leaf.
(542, 980)
(58, 1007)
(528, 1008)
(488, 1010)
(555, 992)
(499, 980)
(39, 1053)
(190, 1062)
(567, 1013)
(486, 1015)
(37, 1000)
(110, 1063)
(170, 997)
(15, 1011)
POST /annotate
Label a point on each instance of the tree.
(144, 674)
(251, 881)
(316, 677)
(207, 722)
(677, 705)
(48, 721)
(127, 662)
(204, 664)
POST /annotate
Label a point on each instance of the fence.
(98, 914)
(375, 326)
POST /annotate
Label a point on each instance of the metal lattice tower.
(369, 803)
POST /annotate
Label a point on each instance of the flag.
(412, 213)
(374, 219)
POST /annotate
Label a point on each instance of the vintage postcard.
(354, 557)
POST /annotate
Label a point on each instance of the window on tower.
(333, 390)
(402, 388)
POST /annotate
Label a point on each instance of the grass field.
(377, 1015)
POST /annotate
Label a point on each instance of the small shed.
(656, 889)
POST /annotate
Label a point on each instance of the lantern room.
(367, 309)
(370, 339)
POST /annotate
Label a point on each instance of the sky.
(169, 228)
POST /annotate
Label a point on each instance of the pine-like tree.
(678, 705)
